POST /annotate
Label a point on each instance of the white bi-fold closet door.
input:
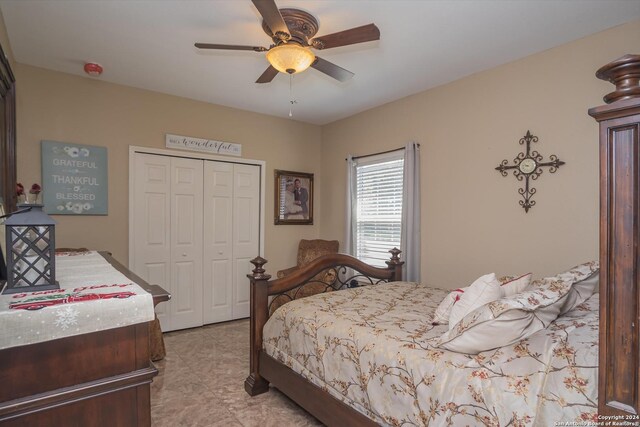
(231, 230)
(195, 226)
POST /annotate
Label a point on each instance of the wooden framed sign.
(74, 179)
(206, 145)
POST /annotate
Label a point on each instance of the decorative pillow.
(441, 315)
(580, 292)
(511, 319)
(484, 290)
(511, 286)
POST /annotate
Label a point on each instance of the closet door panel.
(196, 226)
(241, 294)
(218, 243)
(158, 273)
(186, 242)
(151, 252)
(246, 233)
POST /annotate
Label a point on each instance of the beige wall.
(471, 221)
(63, 107)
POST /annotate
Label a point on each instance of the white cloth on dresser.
(93, 296)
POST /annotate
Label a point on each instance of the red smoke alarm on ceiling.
(93, 69)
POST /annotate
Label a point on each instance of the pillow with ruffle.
(441, 315)
(514, 285)
(482, 291)
(510, 285)
(511, 319)
(580, 291)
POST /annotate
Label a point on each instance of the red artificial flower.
(19, 189)
(35, 189)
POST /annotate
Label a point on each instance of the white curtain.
(410, 240)
(349, 206)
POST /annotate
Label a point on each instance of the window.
(377, 210)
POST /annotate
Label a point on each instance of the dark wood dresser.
(95, 379)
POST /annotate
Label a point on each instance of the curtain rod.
(376, 154)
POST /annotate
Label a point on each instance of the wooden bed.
(619, 375)
(265, 369)
(619, 301)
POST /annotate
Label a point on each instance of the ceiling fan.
(292, 32)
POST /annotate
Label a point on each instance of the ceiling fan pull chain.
(291, 100)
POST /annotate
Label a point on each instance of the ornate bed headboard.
(262, 287)
(343, 272)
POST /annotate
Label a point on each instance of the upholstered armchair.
(308, 250)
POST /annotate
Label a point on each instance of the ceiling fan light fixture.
(290, 56)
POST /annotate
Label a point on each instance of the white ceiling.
(149, 44)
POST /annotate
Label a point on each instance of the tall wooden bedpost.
(619, 363)
(255, 384)
(395, 264)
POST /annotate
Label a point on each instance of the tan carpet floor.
(201, 383)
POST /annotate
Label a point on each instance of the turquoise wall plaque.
(74, 179)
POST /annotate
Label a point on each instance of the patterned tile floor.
(201, 383)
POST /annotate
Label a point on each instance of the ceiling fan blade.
(230, 47)
(268, 75)
(331, 69)
(271, 15)
(366, 33)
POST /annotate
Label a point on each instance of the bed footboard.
(259, 308)
(347, 270)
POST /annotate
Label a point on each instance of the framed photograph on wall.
(294, 197)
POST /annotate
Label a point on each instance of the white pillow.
(512, 286)
(514, 318)
(441, 315)
(483, 291)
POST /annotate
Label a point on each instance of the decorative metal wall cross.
(528, 165)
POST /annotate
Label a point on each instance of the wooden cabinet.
(619, 364)
(96, 379)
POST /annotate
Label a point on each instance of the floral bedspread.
(373, 348)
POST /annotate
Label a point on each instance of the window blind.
(378, 194)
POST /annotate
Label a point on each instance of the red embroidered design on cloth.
(38, 300)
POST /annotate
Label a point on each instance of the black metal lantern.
(30, 251)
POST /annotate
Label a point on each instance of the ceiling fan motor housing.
(292, 32)
(302, 26)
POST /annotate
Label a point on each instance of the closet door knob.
(220, 252)
(184, 254)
